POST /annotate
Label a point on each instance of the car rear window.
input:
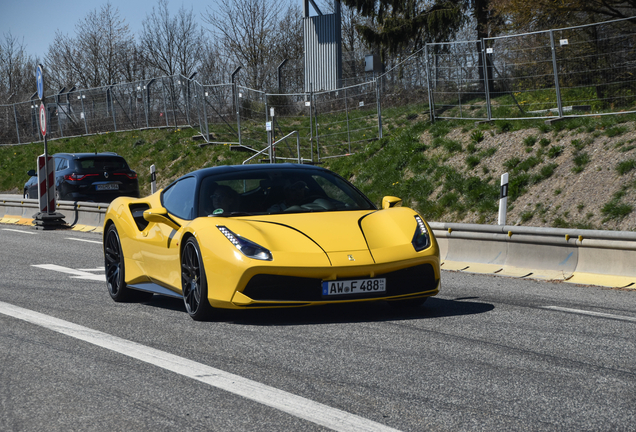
(107, 163)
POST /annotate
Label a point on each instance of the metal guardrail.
(85, 216)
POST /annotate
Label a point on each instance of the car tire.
(194, 283)
(26, 194)
(116, 271)
(409, 303)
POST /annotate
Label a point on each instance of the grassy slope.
(574, 173)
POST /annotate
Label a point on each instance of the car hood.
(332, 231)
(359, 236)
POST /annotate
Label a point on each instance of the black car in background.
(97, 177)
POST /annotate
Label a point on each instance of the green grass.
(626, 166)
(580, 160)
(172, 152)
(555, 151)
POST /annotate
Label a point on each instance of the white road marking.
(297, 406)
(591, 313)
(20, 231)
(98, 269)
(77, 274)
(84, 240)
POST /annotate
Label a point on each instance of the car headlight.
(247, 247)
(421, 240)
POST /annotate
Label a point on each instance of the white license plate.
(358, 286)
(108, 186)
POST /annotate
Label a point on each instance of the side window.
(179, 198)
(60, 164)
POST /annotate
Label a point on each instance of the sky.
(35, 22)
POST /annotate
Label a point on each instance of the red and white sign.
(43, 119)
(43, 173)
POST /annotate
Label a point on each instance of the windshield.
(100, 163)
(271, 191)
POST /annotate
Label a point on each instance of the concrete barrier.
(592, 257)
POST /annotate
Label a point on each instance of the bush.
(555, 151)
(477, 136)
(615, 131)
(580, 160)
(511, 163)
(626, 166)
(530, 141)
(472, 161)
(616, 210)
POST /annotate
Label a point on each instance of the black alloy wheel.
(115, 270)
(194, 283)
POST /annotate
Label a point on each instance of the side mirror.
(391, 201)
(31, 173)
(160, 215)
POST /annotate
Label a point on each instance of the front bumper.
(271, 290)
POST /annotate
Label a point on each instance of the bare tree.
(97, 55)
(247, 30)
(17, 70)
(172, 44)
(214, 68)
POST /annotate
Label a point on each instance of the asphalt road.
(488, 353)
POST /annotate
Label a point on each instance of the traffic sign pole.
(49, 219)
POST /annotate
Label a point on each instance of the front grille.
(265, 287)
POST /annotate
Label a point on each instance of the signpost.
(47, 217)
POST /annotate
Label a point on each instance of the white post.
(503, 199)
(153, 179)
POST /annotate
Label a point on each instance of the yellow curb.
(10, 219)
(603, 280)
(78, 227)
(455, 265)
(25, 221)
(483, 268)
(515, 271)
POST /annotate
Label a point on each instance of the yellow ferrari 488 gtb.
(261, 236)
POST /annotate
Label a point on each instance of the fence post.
(205, 112)
(172, 95)
(17, 128)
(459, 83)
(556, 75)
(238, 112)
(486, 76)
(81, 98)
(377, 96)
(348, 126)
(57, 110)
(315, 106)
(311, 121)
(431, 108)
(163, 96)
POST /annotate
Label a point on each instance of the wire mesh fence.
(585, 70)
